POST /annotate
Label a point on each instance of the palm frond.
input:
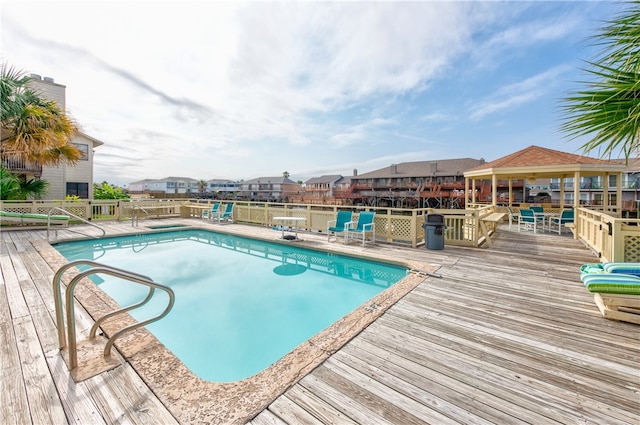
(34, 128)
(607, 108)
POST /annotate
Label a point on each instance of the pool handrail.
(70, 307)
(66, 212)
(135, 220)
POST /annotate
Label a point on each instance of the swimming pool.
(241, 304)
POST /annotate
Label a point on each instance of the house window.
(78, 189)
(84, 149)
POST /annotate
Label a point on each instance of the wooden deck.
(507, 334)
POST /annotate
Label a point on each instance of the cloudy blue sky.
(240, 90)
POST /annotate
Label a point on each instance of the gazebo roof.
(537, 162)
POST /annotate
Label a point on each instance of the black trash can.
(434, 231)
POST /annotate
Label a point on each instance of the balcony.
(19, 166)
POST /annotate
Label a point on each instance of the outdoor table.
(546, 218)
(295, 220)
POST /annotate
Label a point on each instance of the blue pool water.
(241, 304)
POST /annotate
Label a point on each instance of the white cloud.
(514, 95)
(214, 89)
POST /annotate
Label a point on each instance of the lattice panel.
(18, 210)
(319, 220)
(400, 228)
(632, 248)
(242, 214)
(79, 210)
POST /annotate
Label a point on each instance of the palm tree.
(202, 186)
(9, 185)
(33, 130)
(608, 108)
(32, 188)
(14, 187)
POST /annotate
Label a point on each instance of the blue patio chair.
(338, 225)
(529, 220)
(226, 215)
(209, 214)
(565, 217)
(364, 225)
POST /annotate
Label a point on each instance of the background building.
(412, 184)
(271, 189)
(65, 179)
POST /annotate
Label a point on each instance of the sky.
(240, 90)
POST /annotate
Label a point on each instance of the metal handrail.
(57, 292)
(134, 218)
(62, 210)
(70, 308)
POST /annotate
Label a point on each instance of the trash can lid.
(434, 218)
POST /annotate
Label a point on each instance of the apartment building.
(436, 183)
(323, 187)
(64, 179)
(169, 185)
(222, 188)
(271, 189)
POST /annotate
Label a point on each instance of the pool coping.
(193, 400)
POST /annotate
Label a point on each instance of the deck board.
(507, 334)
(14, 407)
(44, 404)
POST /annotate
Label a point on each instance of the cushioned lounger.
(612, 283)
(587, 269)
(617, 295)
(625, 268)
(599, 268)
(18, 218)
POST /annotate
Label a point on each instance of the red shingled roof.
(535, 156)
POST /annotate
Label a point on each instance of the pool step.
(91, 359)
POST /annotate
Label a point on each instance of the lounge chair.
(529, 220)
(364, 225)
(615, 288)
(28, 218)
(209, 214)
(537, 209)
(557, 223)
(226, 215)
(338, 225)
(513, 216)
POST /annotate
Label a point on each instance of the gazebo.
(535, 162)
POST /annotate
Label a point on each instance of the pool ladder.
(70, 308)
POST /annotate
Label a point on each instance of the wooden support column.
(619, 194)
(576, 189)
(605, 192)
(494, 191)
(466, 192)
(510, 192)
